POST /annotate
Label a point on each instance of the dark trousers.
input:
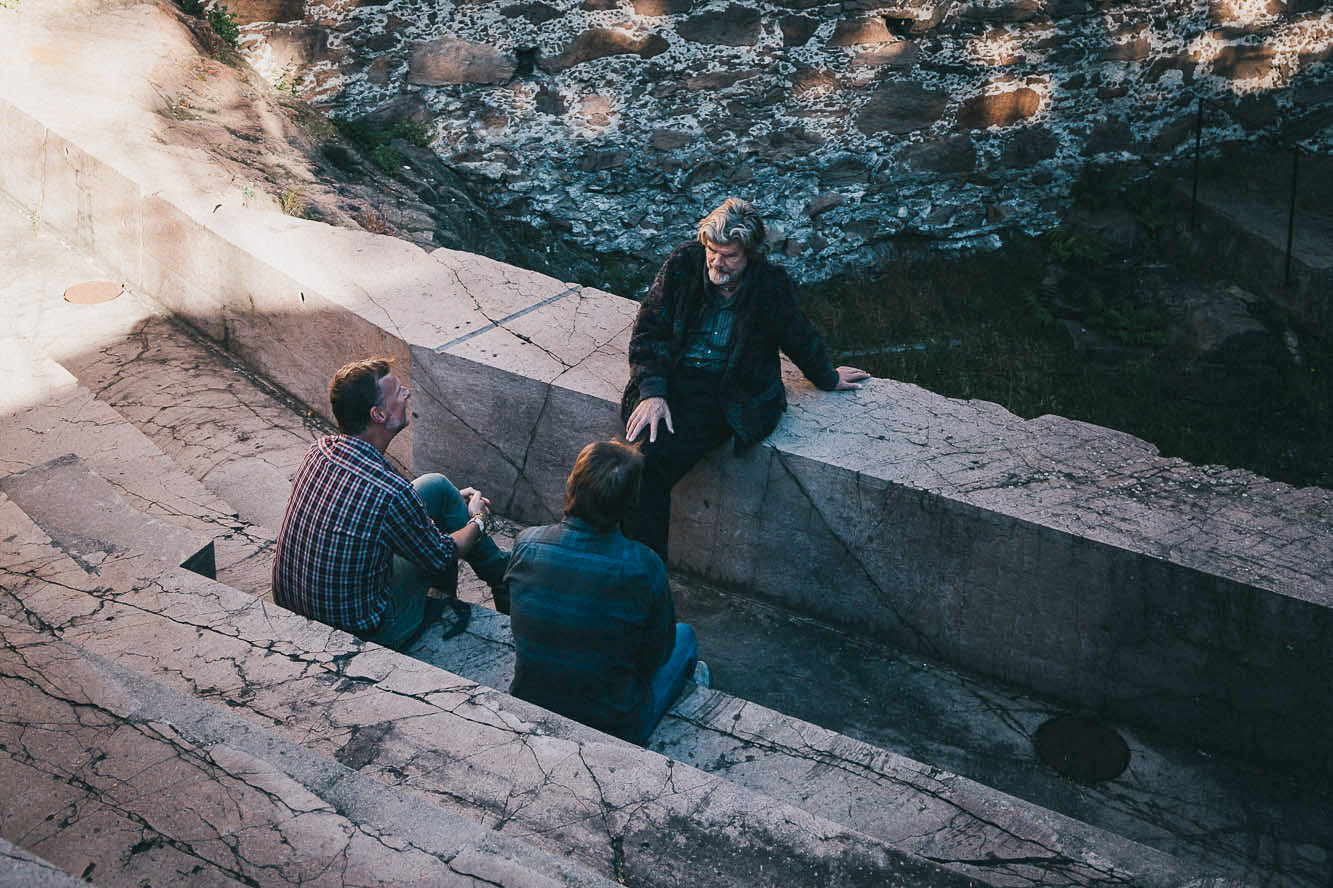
(701, 425)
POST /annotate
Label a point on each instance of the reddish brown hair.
(354, 390)
(604, 484)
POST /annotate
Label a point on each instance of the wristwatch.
(482, 524)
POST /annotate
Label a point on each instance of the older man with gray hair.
(704, 361)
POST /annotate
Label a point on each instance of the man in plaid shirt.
(360, 545)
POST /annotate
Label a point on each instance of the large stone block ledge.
(1063, 557)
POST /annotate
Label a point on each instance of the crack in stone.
(425, 387)
(150, 835)
(615, 837)
(527, 449)
(924, 642)
(866, 771)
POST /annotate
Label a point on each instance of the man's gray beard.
(718, 279)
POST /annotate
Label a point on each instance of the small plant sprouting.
(1067, 245)
(287, 81)
(224, 24)
(219, 19)
(386, 158)
(375, 140)
(412, 133)
(293, 204)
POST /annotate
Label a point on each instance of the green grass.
(376, 141)
(224, 24)
(219, 19)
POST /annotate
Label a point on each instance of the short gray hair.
(736, 221)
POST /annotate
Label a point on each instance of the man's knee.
(443, 502)
(435, 484)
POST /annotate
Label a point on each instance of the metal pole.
(1198, 141)
(1291, 213)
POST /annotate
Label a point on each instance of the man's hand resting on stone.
(849, 378)
(647, 414)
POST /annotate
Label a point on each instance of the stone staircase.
(171, 727)
(113, 480)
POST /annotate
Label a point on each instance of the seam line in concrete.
(506, 319)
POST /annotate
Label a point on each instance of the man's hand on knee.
(647, 414)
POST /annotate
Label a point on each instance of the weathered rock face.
(442, 62)
(852, 124)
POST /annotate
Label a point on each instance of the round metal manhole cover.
(92, 292)
(1082, 749)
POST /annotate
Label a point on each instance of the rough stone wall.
(858, 126)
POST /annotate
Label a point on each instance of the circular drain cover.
(92, 292)
(1082, 749)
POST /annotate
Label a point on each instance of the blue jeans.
(407, 591)
(669, 680)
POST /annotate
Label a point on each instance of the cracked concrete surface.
(171, 385)
(1048, 553)
(1213, 813)
(57, 416)
(128, 782)
(239, 446)
(619, 810)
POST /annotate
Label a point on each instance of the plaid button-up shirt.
(350, 512)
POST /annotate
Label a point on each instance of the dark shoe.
(459, 616)
(501, 595)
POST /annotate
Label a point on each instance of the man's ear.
(377, 414)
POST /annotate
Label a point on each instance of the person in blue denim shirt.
(594, 626)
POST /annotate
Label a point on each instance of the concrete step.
(1045, 553)
(127, 781)
(85, 516)
(927, 811)
(20, 868)
(59, 417)
(621, 811)
(1213, 811)
(239, 436)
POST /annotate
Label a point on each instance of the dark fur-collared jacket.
(768, 318)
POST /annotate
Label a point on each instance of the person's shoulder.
(365, 462)
(644, 560)
(538, 533)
